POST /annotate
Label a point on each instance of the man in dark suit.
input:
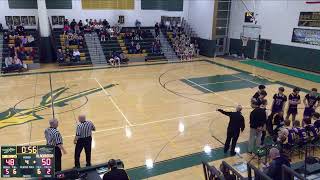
(236, 124)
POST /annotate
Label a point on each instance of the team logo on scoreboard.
(8, 150)
(60, 96)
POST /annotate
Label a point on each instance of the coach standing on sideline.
(54, 138)
(236, 124)
(83, 139)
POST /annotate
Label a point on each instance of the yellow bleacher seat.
(82, 58)
(135, 55)
(28, 62)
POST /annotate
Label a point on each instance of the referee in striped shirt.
(83, 139)
(54, 138)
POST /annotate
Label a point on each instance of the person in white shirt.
(76, 55)
(244, 45)
(30, 40)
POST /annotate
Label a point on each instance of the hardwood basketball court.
(154, 111)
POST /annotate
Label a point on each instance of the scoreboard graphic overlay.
(27, 161)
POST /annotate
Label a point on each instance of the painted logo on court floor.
(14, 116)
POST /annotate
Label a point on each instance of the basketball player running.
(311, 102)
(294, 100)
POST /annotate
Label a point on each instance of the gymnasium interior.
(161, 81)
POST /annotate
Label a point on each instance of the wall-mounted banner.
(306, 36)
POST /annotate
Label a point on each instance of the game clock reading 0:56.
(27, 161)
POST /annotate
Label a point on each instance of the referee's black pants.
(231, 135)
(57, 158)
(86, 144)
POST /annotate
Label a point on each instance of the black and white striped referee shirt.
(53, 136)
(84, 129)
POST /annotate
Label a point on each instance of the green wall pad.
(284, 70)
(236, 45)
(301, 58)
(207, 47)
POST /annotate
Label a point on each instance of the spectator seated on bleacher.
(76, 55)
(156, 48)
(13, 64)
(103, 35)
(25, 53)
(24, 41)
(132, 48)
(20, 29)
(1, 28)
(17, 41)
(80, 41)
(66, 29)
(66, 22)
(68, 54)
(138, 49)
(11, 30)
(80, 25)
(123, 58)
(60, 56)
(12, 51)
(105, 23)
(137, 37)
(30, 41)
(21, 53)
(5, 37)
(114, 59)
(73, 25)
